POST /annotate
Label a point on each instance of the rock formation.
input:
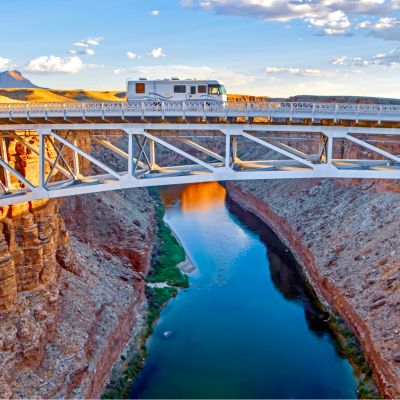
(68, 303)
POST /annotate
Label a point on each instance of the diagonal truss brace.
(16, 174)
(59, 155)
(86, 155)
(116, 150)
(36, 151)
(277, 149)
(376, 149)
(55, 162)
(179, 151)
(196, 146)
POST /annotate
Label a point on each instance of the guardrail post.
(313, 110)
(205, 110)
(163, 110)
(380, 115)
(184, 110)
(102, 110)
(358, 112)
(27, 111)
(142, 110)
(123, 110)
(10, 115)
(291, 112)
(336, 108)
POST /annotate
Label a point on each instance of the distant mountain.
(14, 79)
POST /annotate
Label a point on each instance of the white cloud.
(156, 53)
(154, 12)
(338, 60)
(386, 29)
(57, 65)
(82, 52)
(229, 77)
(88, 41)
(356, 59)
(363, 25)
(117, 71)
(130, 55)
(391, 60)
(54, 65)
(311, 72)
(4, 62)
(93, 66)
(329, 16)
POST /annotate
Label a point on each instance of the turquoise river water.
(249, 326)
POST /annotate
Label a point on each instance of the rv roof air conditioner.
(174, 78)
(142, 79)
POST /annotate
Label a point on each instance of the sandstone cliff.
(68, 303)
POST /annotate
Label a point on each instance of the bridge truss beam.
(144, 167)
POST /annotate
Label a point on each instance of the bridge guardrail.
(229, 108)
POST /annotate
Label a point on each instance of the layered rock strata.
(68, 304)
(345, 234)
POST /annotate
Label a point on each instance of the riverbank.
(164, 279)
(329, 233)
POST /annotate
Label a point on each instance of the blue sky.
(274, 48)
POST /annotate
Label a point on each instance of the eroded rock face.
(68, 303)
(73, 304)
(345, 234)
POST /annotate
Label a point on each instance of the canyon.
(73, 270)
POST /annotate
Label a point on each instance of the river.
(249, 326)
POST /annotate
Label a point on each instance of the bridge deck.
(200, 112)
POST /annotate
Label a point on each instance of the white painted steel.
(229, 168)
(248, 109)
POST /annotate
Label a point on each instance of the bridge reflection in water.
(187, 129)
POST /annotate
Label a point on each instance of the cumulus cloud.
(4, 62)
(82, 52)
(117, 71)
(331, 17)
(386, 29)
(390, 59)
(156, 53)
(338, 60)
(154, 12)
(130, 55)
(311, 72)
(57, 65)
(88, 41)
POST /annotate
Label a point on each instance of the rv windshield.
(216, 89)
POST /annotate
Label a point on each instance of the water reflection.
(249, 326)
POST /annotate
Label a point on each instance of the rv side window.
(193, 90)
(140, 88)
(202, 89)
(180, 89)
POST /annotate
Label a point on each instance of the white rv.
(175, 89)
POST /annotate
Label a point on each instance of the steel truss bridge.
(263, 124)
